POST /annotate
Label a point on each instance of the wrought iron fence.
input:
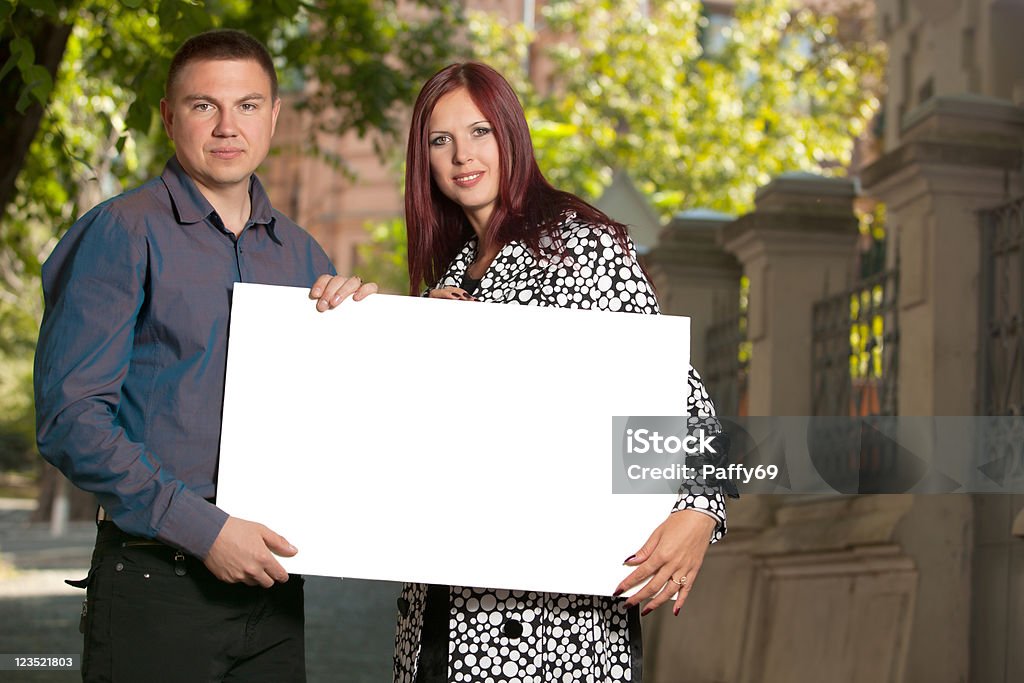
(855, 342)
(726, 364)
(1000, 358)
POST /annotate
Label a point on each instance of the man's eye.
(249, 106)
(203, 106)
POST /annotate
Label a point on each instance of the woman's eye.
(439, 140)
(481, 131)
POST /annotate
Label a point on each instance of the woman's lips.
(468, 179)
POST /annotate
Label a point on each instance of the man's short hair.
(221, 44)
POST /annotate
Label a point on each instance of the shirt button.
(119, 567)
(403, 607)
(512, 628)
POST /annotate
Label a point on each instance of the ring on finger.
(679, 582)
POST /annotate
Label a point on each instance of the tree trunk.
(81, 505)
(49, 37)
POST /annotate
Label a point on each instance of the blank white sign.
(409, 439)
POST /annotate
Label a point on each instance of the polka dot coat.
(484, 635)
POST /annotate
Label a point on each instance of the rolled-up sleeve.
(94, 287)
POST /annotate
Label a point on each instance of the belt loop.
(179, 563)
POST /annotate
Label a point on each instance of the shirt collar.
(190, 206)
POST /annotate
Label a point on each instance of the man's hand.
(330, 291)
(244, 552)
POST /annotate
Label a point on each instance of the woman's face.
(464, 159)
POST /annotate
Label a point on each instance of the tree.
(699, 114)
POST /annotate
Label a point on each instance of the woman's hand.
(670, 559)
(451, 293)
(330, 291)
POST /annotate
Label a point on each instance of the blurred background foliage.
(699, 112)
(80, 83)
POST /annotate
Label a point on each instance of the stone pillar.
(957, 155)
(796, 247)
(693, 275)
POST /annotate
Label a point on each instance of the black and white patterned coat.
(500, 635)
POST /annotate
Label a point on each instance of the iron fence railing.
(855, 344)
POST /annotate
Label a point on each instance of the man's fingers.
(278, 544)
(364, 291)
(244, 552)
(262, 579)
(332, 291)
(274, 572)
(335, 292)
(317, 290)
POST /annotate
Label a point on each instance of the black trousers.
(154, 614)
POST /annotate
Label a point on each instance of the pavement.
(349, 623)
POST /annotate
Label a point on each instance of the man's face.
(221, 116)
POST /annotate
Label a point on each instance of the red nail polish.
(617, 593)
(675, 611)
(645, 612)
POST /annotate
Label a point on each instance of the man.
(129, 381)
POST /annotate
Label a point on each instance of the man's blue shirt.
(129, 370)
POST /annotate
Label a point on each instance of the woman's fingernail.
(646, 611)
(675, 611)
(618, 593)
(628, 559)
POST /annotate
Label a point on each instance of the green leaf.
(287, 8)
(24, 100)
(6, 10)
(38, 85)
(167, 14)
(23, 53)
(38, 82)
(132, 4)
(140, 116)
(47, 7)
(12, 61)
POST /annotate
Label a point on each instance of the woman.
(484, 225)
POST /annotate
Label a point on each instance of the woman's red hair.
(528, 207)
